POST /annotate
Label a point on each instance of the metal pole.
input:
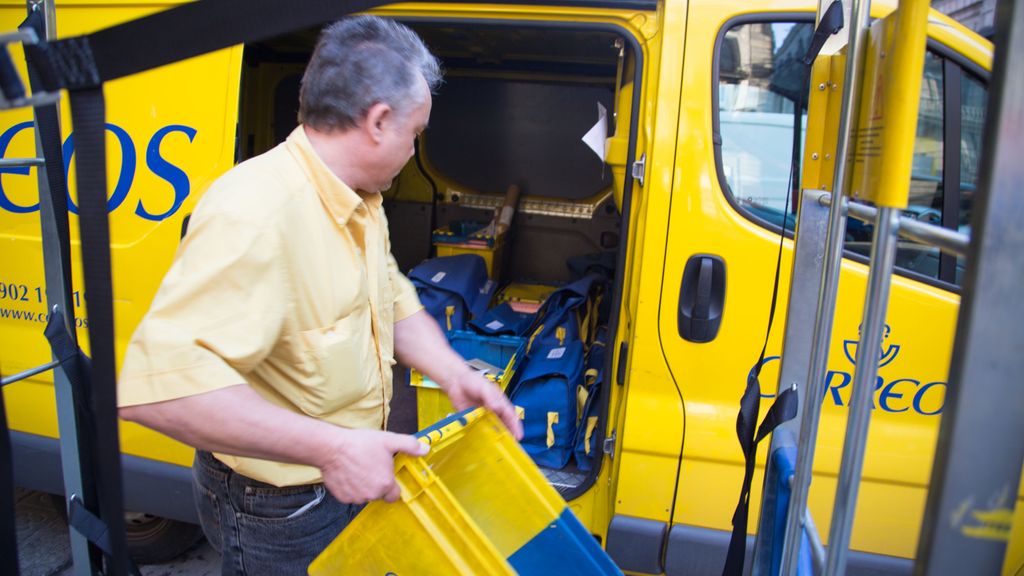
(976, 474)
(808, 265)
(829, 285)
(84, 558)
(876, 301)
(29, 373)
(20, 162)
(946, 240)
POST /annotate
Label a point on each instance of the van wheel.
(155, 540)
(151, 539)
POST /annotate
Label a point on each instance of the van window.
(925, 201)
(951, 114)
(758, 79)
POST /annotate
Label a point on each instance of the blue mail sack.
(453, 288)
(546, 392)
(587, 402)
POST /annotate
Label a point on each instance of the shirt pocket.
(333, 366)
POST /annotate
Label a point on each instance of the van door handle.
(702, 298)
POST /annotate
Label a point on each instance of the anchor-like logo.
(885, 355)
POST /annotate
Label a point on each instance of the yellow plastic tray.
(476, 504)
(491, 254)
(432, 403)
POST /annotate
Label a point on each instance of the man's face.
(399, 139)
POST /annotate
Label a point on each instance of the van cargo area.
(512, 110)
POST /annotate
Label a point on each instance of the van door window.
(758, 79)
(951, 115)
(925, 201)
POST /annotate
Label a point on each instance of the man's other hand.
(361, 467)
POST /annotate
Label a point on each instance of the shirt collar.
(337, 197)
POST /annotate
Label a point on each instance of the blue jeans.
(259, 528)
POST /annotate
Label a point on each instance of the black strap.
(831, 23)
(95, 530)
(94, 406)
(10, 81)
(783, 409)
(88, 115)
(48, 119)
(8, 533)
(785, 406)
(157, 40)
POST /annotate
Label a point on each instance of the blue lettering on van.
(895, 396)
(889, 392)
(163, 169)
(155, 162)
(5, 141)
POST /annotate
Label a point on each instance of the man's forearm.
(356, 465)
(238, 421)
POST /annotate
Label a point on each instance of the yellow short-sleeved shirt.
(285, 281)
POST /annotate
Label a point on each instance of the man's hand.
(471, 389)
(362, 465)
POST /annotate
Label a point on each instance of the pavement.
(44, 548)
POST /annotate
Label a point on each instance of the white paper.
(438, 277)
(596, 136)
(495, 325)
(483, 367)
(556, 353)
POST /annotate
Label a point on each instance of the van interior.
(513, 108)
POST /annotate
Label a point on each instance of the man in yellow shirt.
(270, 344)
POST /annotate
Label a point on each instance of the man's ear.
(377, 118)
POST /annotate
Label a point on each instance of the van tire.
(155, 540)
(151, 539)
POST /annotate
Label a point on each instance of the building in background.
(977, 15)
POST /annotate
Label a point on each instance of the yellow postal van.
(695, 102)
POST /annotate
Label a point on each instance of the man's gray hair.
(359, 62)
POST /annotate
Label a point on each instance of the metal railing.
(816, 262)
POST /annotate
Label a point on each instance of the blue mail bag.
(587, 401)
(546, 393)
(502, 320)
(568, 310)
(453, 288)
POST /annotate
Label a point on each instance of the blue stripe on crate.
(564, 548)
(459, 417)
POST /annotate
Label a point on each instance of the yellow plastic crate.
(491, 254)
(526, 298)
(476, 504)
(503, 352)
(471, 237)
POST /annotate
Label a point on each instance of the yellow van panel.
(711, 377)
(170, 132)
